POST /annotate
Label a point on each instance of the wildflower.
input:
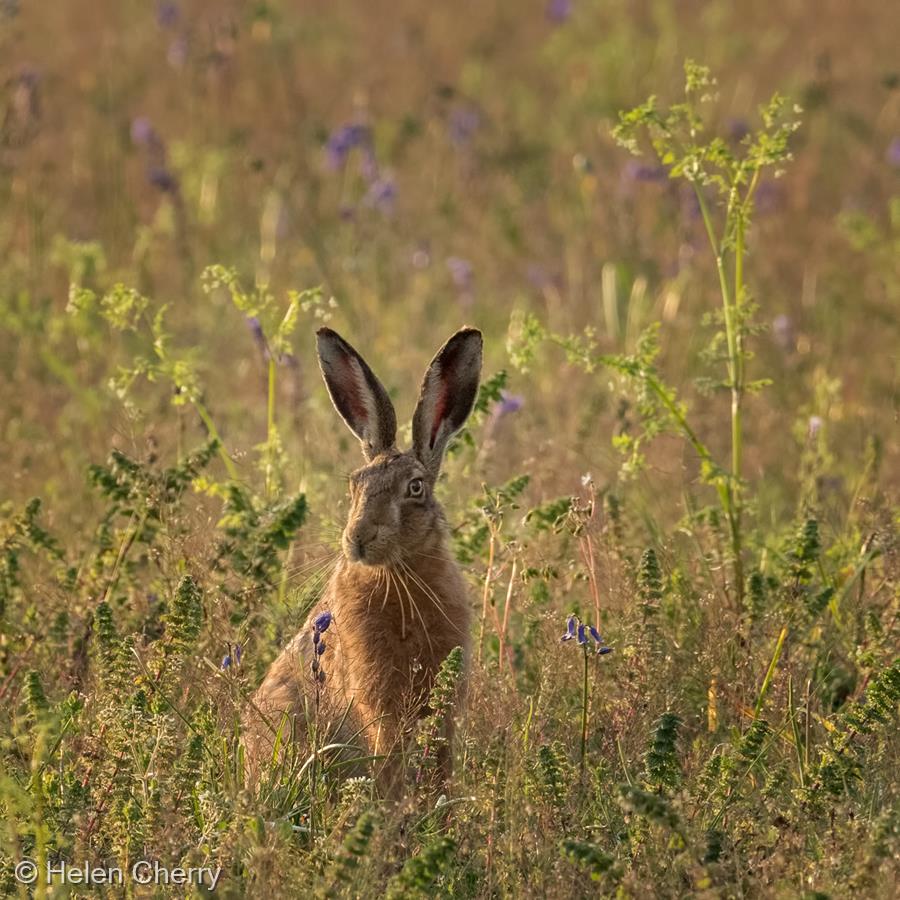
(226, 661)
(343, 141)
(237, 654)
(259, 336)
(585, 635)
(142, 132)
(321, 624)
(636, 171)
(462, 124)
(166, 14)
(461, 272)
(558, 11)
(892, 154)
(738, 129)
(508, 403)
(382, 194)
(160, 177)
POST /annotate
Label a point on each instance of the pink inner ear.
(440, 409)
(352, 392)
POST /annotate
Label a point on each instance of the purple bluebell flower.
(160, 177)
(558, 11)
(462, 124)
(382, 195)
(259, 336)
(638, 171)
(343, 141)
(226, 662)
(768, 197)
(585, 635)
(322, 622)
(892, 154)
(320, 648)
(508, 403)
(737, 129)
(143, 132)
(238, 652)
(167, 14)
(461, 272)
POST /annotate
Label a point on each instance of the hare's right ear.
(357, 394)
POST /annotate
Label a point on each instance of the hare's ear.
(447, 397)
(357, 394)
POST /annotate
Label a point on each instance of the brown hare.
(397, 603)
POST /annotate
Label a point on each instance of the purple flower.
(237, 654)
(320, 648)
(462, 124)
(143, 132)
(636, 171)
(768, 197)
(322, 622)
(508, 403)
(226, 662)
(259, 336)
(160, 177)
(166, 14)
(892, 155)
(461, 272)
(343, 141)
(737, 129)
(558, 11)
(585, 636)
(382, 194)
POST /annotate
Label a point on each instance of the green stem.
(735, 378)
(270, 425)
(584, 709)
(214, 433)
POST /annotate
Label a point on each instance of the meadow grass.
(676, 502)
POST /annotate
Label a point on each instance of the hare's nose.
(359, 548)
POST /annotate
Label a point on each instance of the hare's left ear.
(447, 397)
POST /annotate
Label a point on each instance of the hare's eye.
(415, 488)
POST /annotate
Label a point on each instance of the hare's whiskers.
(415, 608)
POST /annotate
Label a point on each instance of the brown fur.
(397, 597)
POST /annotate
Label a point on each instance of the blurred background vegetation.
(173, 136)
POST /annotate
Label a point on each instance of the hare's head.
(393, 511)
